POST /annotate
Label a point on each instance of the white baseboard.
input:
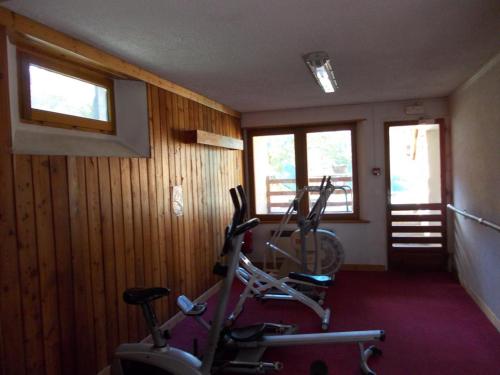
(482, 305)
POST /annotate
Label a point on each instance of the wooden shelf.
(212, 139)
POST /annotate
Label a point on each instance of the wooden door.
(416, 198)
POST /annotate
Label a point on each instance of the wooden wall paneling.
(11, 309)
(116, 203)
(153, 206)
(97, 267)
(84, 315)
(200, 195)
(218, 198)
(3, 367)
(181, 248)
(168, 260)
(198, 189)
(174, 224)
(159, 207)
(195, 186)
(207, 194)
(28, 265)
(224, 166)
(84, 229)
(205, 185)
(212, 196)
(187, 207)
(154, 223)
(146, 221)
(138, 231)
(138, 234)
(47, 263)
(186, 217)
(108, 255)
(191, 219)
(190, 226)
(129, 243)
(64, 269)
(194, 182)
(179, 169)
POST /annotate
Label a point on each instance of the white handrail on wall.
(473, 217)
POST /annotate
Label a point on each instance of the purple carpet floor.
(432, 326)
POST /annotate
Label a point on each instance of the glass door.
(416, 212)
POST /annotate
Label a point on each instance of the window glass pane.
(55, 92)
(415, 164)
(330, 154)
(274, 172)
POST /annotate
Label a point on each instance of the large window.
(284, 160)
(61, 94)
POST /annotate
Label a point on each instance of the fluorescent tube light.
(321, 69)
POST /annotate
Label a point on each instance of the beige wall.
(475, 117)
(364, 243)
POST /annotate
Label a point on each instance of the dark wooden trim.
(421, 206)
(54, 119)
(316, 126)
(427, 240)
(414, 251)
(417, 249)
(300, 144)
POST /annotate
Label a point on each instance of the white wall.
(365, 243)
(475, 115)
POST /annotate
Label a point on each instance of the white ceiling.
(247, 53)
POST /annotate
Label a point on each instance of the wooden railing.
(271, 182)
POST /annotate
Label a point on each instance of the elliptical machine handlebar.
(238, 217)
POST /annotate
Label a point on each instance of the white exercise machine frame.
(325, 189)
(159, 356)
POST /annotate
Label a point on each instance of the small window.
(60, 94)
(282, 160)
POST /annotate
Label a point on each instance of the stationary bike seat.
(248, 333)
(319, 280)
(139, 296)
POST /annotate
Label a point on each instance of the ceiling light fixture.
(321, 69)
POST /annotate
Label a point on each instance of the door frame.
(428, 259)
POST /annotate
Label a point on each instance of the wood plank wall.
(76, 231)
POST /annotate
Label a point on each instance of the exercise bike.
(248, 343)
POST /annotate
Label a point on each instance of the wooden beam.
(17, 23)
(212, 139)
